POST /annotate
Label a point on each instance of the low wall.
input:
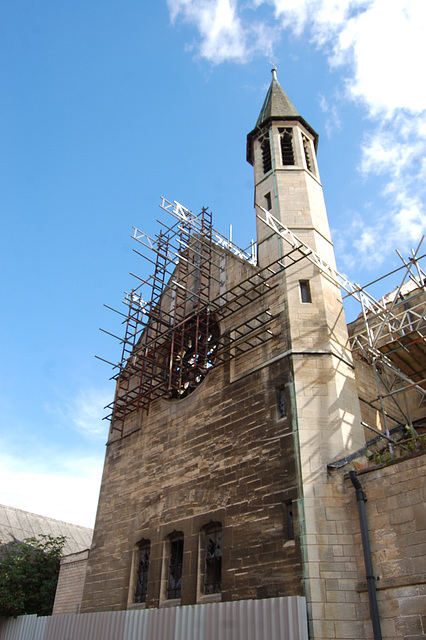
(396, 513)
(69, 591)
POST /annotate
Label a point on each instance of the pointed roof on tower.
(277, 106)
(277, 103)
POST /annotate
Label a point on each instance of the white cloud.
(381, 47)
(61, 487)
(387, 44)
(224, 36)
(383, 43)
(333, 122)
(87, 412)
(84, 412)
(43, 475)
(397, 150)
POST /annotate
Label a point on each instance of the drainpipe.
(371, 583)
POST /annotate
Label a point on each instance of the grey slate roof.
(277, 104)
(18, 525)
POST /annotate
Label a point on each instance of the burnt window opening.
(308, 153)
(174, 583)
(289, 524)
(287, 153)
(213, 559)
(265, 145)
(305, 291)
(193, 355)
(268, 201)
(142, 574)
(281, 403)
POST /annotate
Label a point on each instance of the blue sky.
(107, 106)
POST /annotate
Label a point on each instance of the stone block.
(349, 630)
(323, 629)
(413, 605)
(419, 514)
(409, 625)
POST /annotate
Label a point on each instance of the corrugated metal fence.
(271, 619)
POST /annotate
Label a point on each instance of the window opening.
(308, 156)
(213, 568)
(174, 586)
(143, 567)
(265, 145)
(305, 291)
(289, 520)
(281, 402)
(287, 153)
(268, 201)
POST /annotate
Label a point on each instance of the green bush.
(28, 575)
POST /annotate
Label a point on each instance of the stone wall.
(396, 512)
(396, 515)
(222, 454)
(69, 591)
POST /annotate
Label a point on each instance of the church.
(243, 400)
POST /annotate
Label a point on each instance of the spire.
(277, 104)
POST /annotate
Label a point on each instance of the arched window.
(265, 145)
(174, 580)
(308, 154)
(142, 571)
(213, 558)
(287, 153)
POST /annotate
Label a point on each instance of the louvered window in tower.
(265, 145)
(308, 153)
(287, 153)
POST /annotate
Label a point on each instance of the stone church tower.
(237, 391)
(325, 412)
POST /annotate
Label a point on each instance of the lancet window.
(213, 559)
(307, 148)
(287, 153)
(174, 582)
(265, 145)
(142, 574)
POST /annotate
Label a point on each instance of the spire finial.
(274, 71)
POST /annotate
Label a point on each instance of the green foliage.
(402, 449)
(29, 574)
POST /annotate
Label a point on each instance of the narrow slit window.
(289, 520)
(287, 153)
(281, 403)
(143, 567)
(265, 145)
(174, 585)
(268, 201)
(308, 154)
(213, 559)
(305, 291)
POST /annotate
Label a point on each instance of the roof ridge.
(38, 515)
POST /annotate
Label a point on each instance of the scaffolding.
(172, 341)
(388, 334)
